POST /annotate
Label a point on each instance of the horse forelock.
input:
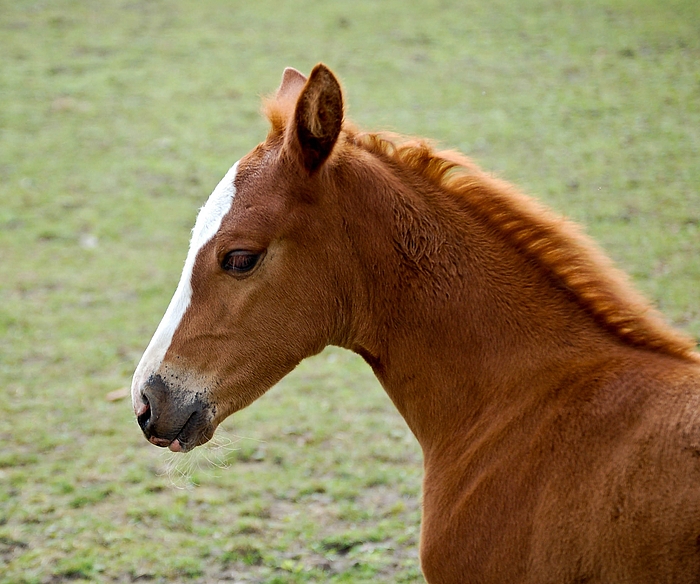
(278, 111)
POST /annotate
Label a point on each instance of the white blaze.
(206, 226)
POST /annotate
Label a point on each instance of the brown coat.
(557, 412)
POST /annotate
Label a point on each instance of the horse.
(558, 414)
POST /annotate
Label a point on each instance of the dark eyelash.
(240, 261)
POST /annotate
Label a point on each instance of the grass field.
(118, 118)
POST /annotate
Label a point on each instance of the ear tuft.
(292, 84)
(318, 117)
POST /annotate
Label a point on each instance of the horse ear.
(318, 117)
(292, 84)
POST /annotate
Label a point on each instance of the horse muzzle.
(172, 417)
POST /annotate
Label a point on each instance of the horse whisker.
(180, 468)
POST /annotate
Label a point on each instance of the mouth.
(196, 431)
(171, 431)
(180, 443)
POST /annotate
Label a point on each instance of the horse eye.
(240, 261)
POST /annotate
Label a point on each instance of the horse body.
(594, 483)
(557, 413)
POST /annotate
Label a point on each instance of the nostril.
(145, 415)
(140, 409)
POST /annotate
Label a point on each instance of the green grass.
(116, 121)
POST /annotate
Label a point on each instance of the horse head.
(262, 287)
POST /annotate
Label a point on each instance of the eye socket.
(240, 261)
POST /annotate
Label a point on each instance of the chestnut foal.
(558, 415)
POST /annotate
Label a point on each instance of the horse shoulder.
(623, 499)
(578, 484)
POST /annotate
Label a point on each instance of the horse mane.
(554, 243)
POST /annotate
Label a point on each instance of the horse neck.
(455, 321)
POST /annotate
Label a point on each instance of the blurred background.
(117, 119)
